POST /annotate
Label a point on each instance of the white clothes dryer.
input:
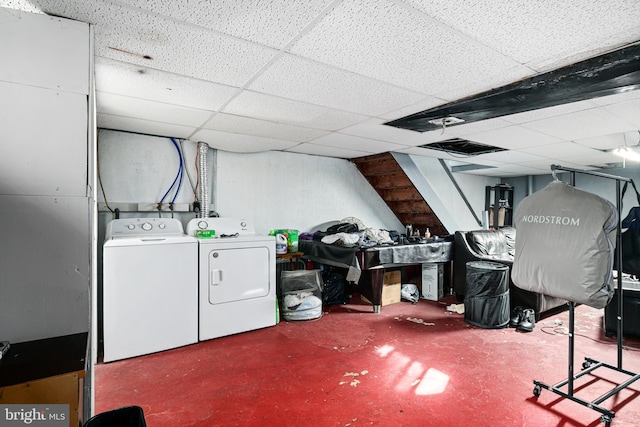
(150, 287)
(237, 277)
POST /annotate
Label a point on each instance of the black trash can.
(486, 301)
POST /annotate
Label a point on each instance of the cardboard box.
(433, 281)
(390, 289)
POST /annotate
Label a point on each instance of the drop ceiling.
(323, 77)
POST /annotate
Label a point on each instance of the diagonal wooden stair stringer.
(410, 196)
(393, 185)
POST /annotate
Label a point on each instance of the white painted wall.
(137, 168)
(44, 207)
(299, 191)
(271, 189)
(451, 209)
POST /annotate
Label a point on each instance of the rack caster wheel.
(606, 419)
(585, 365)
(536, 391)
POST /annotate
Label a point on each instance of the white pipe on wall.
(203, 150)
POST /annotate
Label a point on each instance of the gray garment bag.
(565, 244)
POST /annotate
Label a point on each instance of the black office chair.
(127, 416)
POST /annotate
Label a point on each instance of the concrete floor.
(410, 365)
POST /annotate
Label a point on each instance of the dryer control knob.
(162, 226)
(131, 226)
(243, 224)
(202, 225)
(147, 226)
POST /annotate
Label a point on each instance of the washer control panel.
(131, 227)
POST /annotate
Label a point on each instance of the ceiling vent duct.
(462, 147)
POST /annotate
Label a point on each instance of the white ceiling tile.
(509, 157)
(597, 158)
(108, 121)
(513, 170)
(272, 23)
(419, 151)
(240, 143)
(352, 66)
(562, 151)
(512, 137)
(484, 172)
(486, 83)
(280, 110)
(475, 160)
(541, 164)
(122, 78)
(605, 142)
(127, 34)
(556, 110)
(377, 38)
(238, 124)
(629, 111)
(24, 5)
(626, 95)
(187, 51)
(323, 150)
(545, 165)
(439, 154)
(473, 127)
(538, 31)
(424, 104)
(309, 81)
(150, 110)
(376, 129)
(371, 146)
(581, 124)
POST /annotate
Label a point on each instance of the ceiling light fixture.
(627, 153)
(446, 121)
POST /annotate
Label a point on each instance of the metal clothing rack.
(589, 365)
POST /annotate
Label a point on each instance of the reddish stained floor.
(410, 365)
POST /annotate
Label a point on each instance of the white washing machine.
(150, 287)
(237, 271)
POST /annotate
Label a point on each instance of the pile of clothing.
(351, 232)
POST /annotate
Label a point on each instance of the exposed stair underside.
(392, 184)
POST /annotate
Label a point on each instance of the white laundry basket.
(301, 294)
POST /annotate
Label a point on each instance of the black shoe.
(527, 320)
(516, 317)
